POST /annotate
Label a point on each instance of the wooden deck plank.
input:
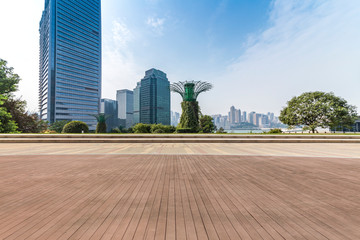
(179, 196)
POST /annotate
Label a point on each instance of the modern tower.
(125, 101)
(155, 98)
(110, 108)
(70, 61)
(136, 114)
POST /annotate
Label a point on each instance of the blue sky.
(257, 53)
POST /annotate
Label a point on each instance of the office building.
(155, 98)
(110, 108)
(70, 61)
(238, 116)
(232, 115)
(125, 101)
(244, 116)
(136, 112)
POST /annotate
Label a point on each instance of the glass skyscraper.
(70, 60)
(155, 98)
(125, 101)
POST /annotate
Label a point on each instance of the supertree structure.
(189, 91)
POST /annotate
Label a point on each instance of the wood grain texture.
(179, 197)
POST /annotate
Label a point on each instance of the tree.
(101, 125)
(8, 79)
(27, 122)
(7, 125)
(318, 109)
(206, 124)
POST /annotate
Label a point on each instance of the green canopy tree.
(26, 122)
(318, 109)
(206, 124)
(8, 79)
(7, 125)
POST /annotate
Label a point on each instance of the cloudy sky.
(257, 53)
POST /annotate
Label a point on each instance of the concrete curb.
(171, 140)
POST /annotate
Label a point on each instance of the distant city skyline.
(256, 53)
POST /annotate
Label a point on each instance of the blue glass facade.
(70, 60)
(110, 108)
(155, 98)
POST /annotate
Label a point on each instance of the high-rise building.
(232, 115)
(252, 118)
(257, 120)
(125, 101)
(70, 61)
(110, 108)
(155, 98)
(237, 116)
(136, 113)
(244, 116)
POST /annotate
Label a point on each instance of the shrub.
(115, 130)
(185, 130)
(275, 131)
(58, 126)
(159, 130)
(163, 128)
(142, 128)
(221, 130)
(48, 131)
(75, 127)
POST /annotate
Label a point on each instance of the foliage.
(159, 128)
(318, 109)
(8, 79)
(275, 131)
(58, 126)
(190, 116)
(184, 130)
(101, 125)
(115, 130)
(7, 125)
(142, 128)
(206, 124)
(221, 130)
(75, 127)
(27, 122)
(48, 131)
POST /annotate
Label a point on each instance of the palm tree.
(101, 125)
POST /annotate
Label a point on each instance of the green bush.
(185, 130)
(221, 130)
(58, 126)
(115, 130)
(159, 130)
(75, 127)
(142, 128)
(163, 128)
(275, 131)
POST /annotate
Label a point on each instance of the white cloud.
(118, 66)
(310, 45)
(156, 24)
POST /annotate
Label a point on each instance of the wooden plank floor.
(179, 197)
